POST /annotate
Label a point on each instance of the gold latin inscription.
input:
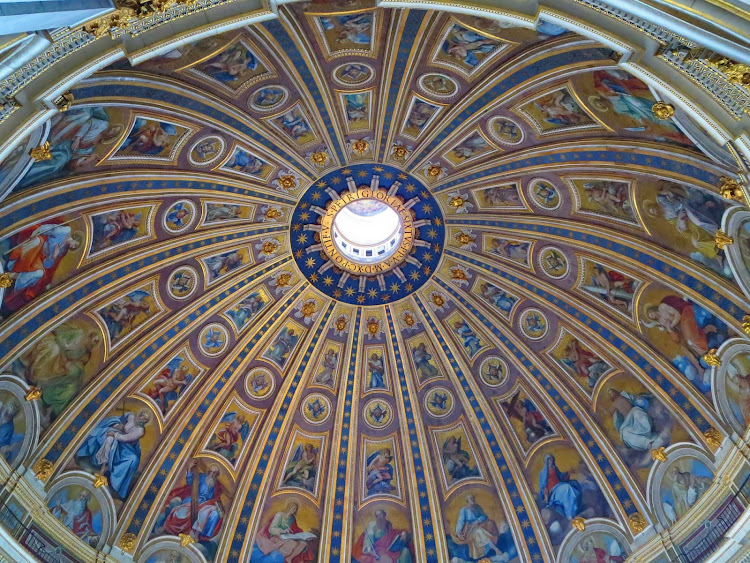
(372, 269)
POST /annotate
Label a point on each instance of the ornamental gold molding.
(745, 324)
(637, 523)
(659, 454)
(33, 394)
(714, 438)
(730, 188)
(712, 358)
(127, 542)
(42, 469)
(128, 11)
(722, 240)
(578, 523)
(663, 110)
(41, 153)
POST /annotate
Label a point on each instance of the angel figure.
(233, 432)
(302, 471)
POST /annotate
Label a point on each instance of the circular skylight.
(367, 230)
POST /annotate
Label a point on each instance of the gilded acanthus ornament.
(712, 358)
(637, 522)
(714, 438)
(62, 103)
(730, 188)
(663, 110)
(99, 480)
(33, 394)
(408, 319)
(41, 152)
(43, 469)
(722, 239)
(127, 542)
(5, 280)
(578, 523)
(659, 454)
(745, 324)
(186, 540)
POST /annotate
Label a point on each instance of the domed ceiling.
(512, 383)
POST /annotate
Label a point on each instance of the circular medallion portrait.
(544, 194)
(378, 414)
(269, 98)
(207, 150)
(554, 263)
(353, 74)
(183, 282)
(316, 408)
(505, 130)
(438, 85)
(259, 383)
(533, 324)
(493, 371)
(214, 339)
(439, 402)
(179, 217)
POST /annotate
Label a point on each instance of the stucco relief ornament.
(400, 151)
(33, 394)
(127, 542)
(41, 152)
(282, 282)
(5, 280)
(43, 469)
(271, 213)
(374, 328)
(268, 248)
(637, 522)
(663, 110)
(730, 188)
(459, 202)
(460, 275)
(722, 240)
(99, 480)
(659, 454)
(340, 325)
(186, 539)
(578, 523)
(286, 182)
(63, 102)
(745, 323)
(434, 171)
(712, 358)
(438, 301)
(714, 438)
(466, 239)
(319, 157)
(359, 146)
(307, 311)
(410, 320)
